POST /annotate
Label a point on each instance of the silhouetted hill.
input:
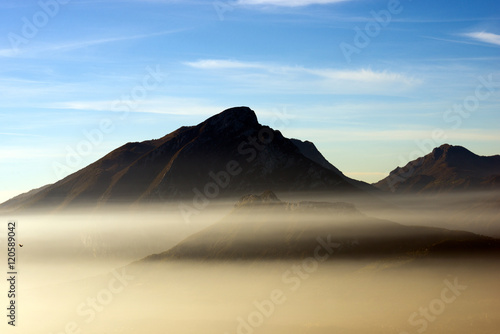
(263, 227)
(446, 168)
(229, 154)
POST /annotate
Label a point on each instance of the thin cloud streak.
(364, 75)
(443, 20)
(80, 44)
(166, 106)
(485, 37)
(361, 75)
(451, 40)
(475, 38)
(287, 3)
(214, 64)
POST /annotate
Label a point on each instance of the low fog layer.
(78, 273)
(278, 297)
(477, 212)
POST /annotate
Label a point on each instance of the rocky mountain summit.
(228, 155)
(446, 168)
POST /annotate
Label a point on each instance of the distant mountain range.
(446, 168)
(263, 227)
(229, 154)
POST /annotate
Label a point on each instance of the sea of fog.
(77, 273)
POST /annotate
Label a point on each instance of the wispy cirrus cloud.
(485, 37)
(82, 44)
(288, 3)
(70, 46)
(363, 75)
(215, 64)
(168, 105)
(359, 75)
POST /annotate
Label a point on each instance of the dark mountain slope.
(227, 155)
(446, 168)
(310, 151)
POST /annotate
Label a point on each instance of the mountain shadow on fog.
(262, 227)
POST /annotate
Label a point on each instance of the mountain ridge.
(229, 154)
(446, 168)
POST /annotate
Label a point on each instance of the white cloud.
(364, 75)
(287, 3)
(81, 105)
(211, 64)
(361, 75)
(165, 105)
(485, 37)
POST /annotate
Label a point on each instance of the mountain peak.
(267, 197)
(446, 168)
(452, 152)
(226, 156)
(439, 151)
(236, 118)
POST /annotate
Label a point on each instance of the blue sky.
(373, 84)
